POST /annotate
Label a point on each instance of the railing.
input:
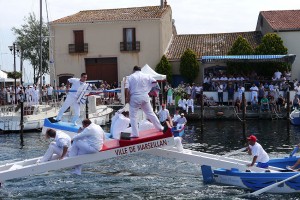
(78, 48)
(130, 46)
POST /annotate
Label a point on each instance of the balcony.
(78, 48)
(130, 46)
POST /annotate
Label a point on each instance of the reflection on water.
(142, 176)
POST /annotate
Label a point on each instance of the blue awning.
(289, 58)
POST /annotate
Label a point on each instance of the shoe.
(53, 120)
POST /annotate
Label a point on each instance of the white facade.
(103, 39)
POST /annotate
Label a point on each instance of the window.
(129, 40)
(78, 40)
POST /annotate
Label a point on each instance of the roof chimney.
(163, 3)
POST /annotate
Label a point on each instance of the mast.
(41, 52)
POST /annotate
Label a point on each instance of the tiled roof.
(283, 19)
(137, 13)
(209, 44)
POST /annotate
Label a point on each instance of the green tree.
(29, 41)
(271, 44)
(164, 67)
(13, 75)
(241, 46)
(189, 65)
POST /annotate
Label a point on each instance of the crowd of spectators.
(267, 94)
(30, 94)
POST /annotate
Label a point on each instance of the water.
(143, 176)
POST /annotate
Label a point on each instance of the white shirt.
(139, 83)
(176, 116)
(181, 120)
(220, 88)
(163, 114)
(62, 139)
(93, 135)
(76, 83)
(277, 75)
(258, 151)
(50, 90)
(198, 89)
(181, 102)
(254, 90)
(223, 78)
(120, 124)
(190, 102)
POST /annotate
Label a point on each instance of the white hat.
(62, 84)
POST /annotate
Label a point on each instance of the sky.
(191, 17)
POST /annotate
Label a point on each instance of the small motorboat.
(295, 117)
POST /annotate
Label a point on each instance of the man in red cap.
(258, 153)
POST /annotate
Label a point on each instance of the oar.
(265, 189)
(235, 152)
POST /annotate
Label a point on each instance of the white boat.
(10, 117)
(97, 112)
(35, 115)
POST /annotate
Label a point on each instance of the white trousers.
(143, 102)
(28, 98)
(252, 96)
(53, 152)
(81, 147)
(35, 99)
(187, 109)
(169, 99)
(178, 144)
(70, 101)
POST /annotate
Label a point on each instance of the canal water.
(143, 176)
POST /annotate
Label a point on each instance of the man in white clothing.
(89, 140)
(49, 92)
(277, 75)
(258, 153)
(58, 148)
(137, 87)
(35, 95)
(121, 122)
(163, 114)
(182, 103)
(254, 92)
(28, 94)
(190, 104)
(72, 97)
(241, 90)
(176, 116)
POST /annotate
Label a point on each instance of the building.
(106, 44)
(286, 23)
(206, 45)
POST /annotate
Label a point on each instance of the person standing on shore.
(71, 100)
(137, 87)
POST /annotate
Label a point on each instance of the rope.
(236, 114)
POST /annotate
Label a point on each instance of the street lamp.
(14, 49)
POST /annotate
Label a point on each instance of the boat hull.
(258, 180)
